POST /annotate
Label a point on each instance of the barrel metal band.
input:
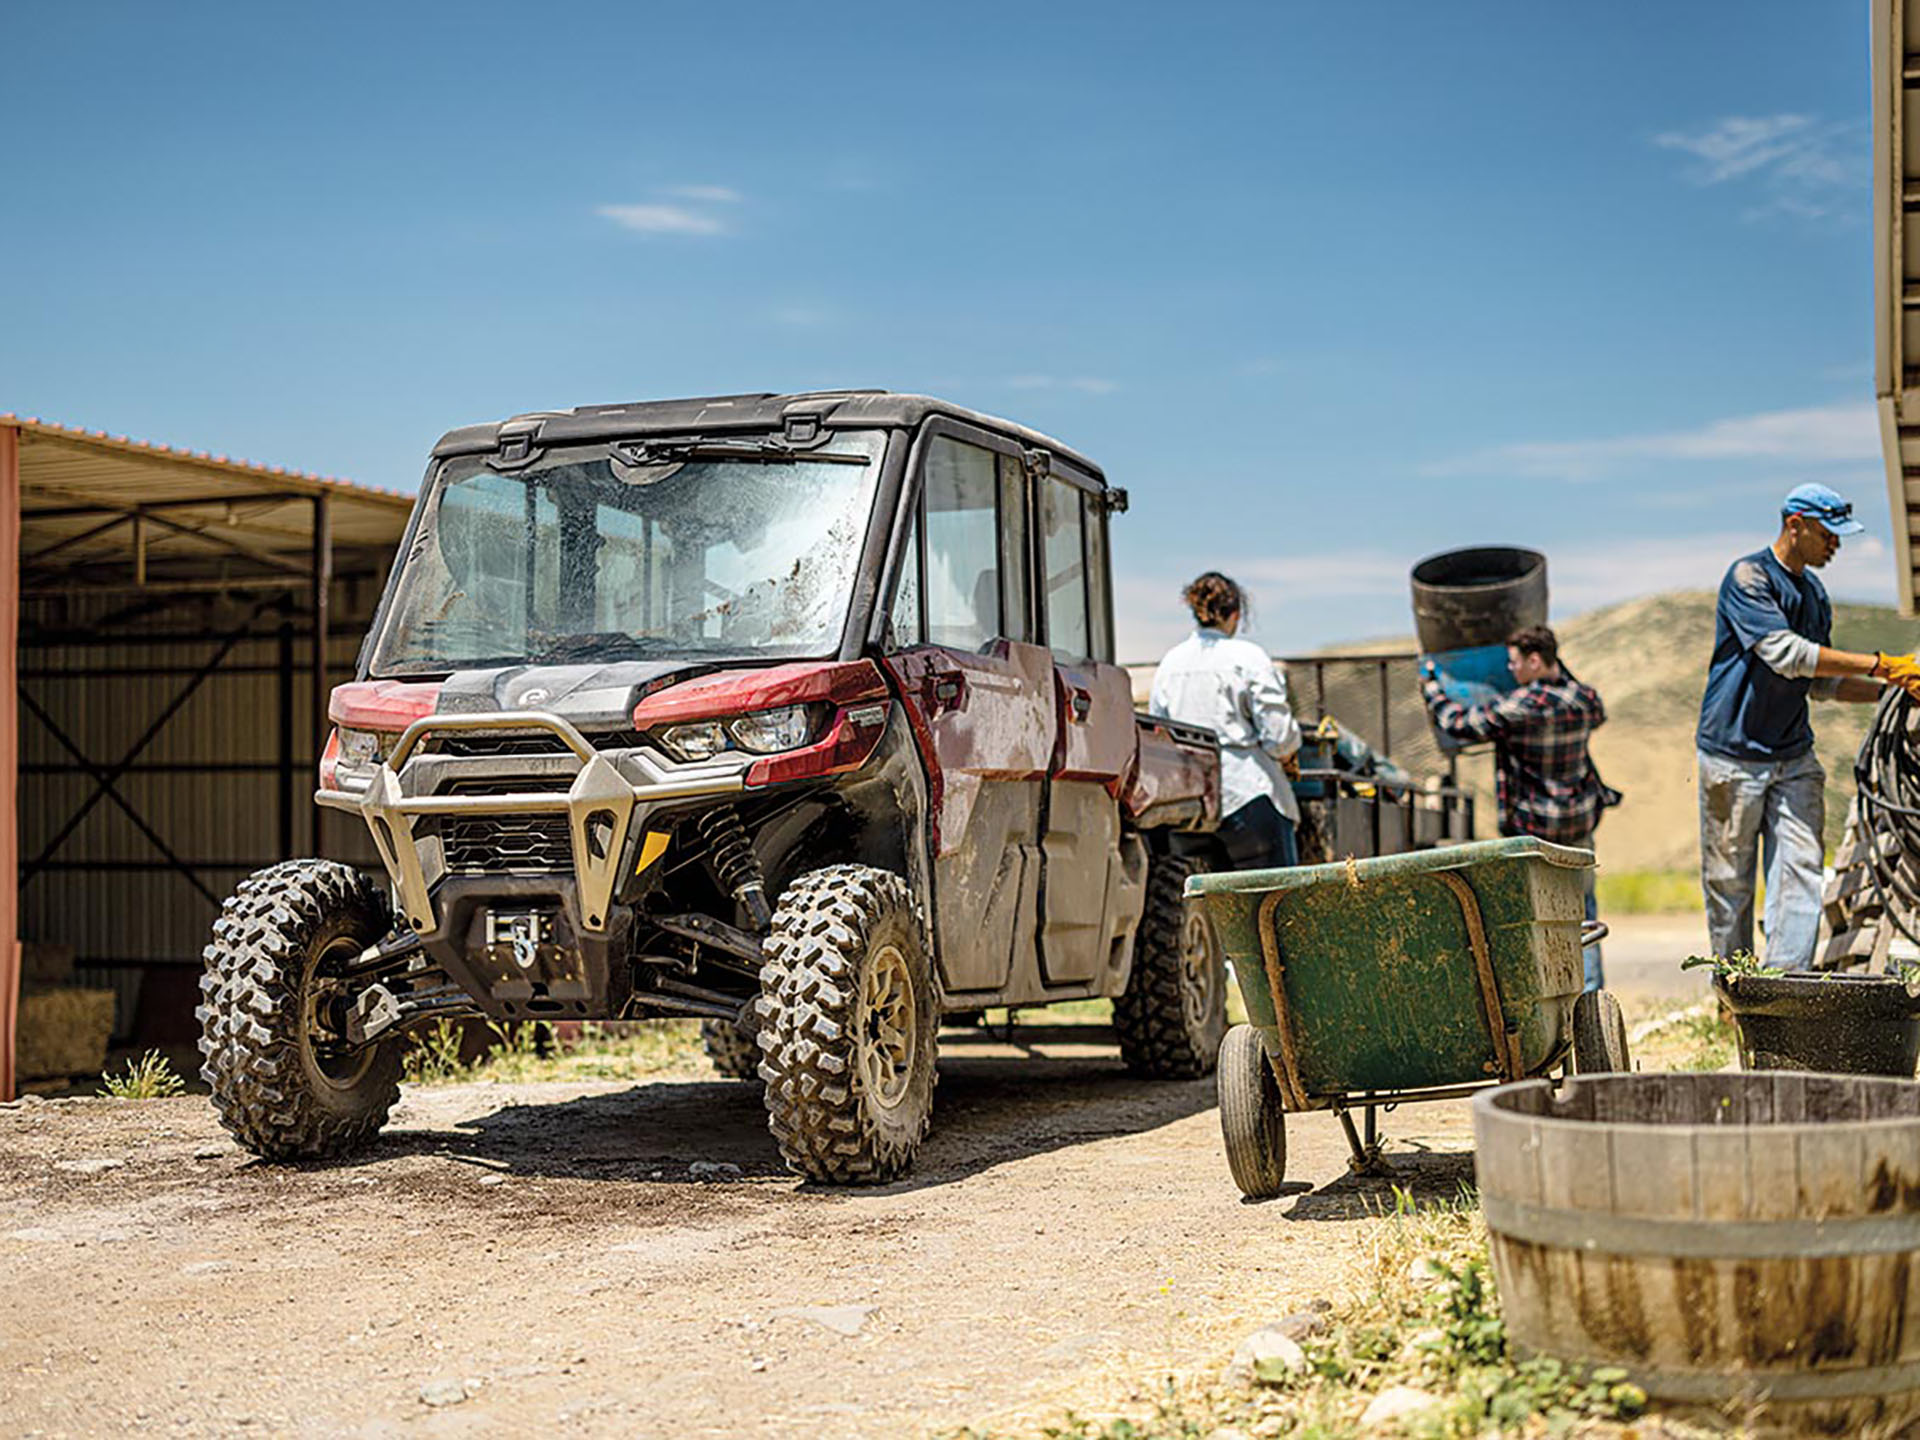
(1779, 1386)
(1607, 1233)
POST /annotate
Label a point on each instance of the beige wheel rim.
(1199, 975)
(888, 1027)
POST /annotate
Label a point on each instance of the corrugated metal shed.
(170, 692)
(1896, 257)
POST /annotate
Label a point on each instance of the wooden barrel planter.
(1744, 1240)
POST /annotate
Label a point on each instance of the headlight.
(697, 740)
(764, 732)
(767, 732)
(362, 747)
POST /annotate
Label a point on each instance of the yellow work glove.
(1901, 670)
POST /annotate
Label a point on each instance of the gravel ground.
(608, 1258)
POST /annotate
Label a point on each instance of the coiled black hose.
(1887, 775)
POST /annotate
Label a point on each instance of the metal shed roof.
(89, 499)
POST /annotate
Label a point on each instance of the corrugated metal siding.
(1896, 263)
(225, 824)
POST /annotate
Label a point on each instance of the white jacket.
(1231, 687)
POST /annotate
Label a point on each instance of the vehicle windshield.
(620, 552)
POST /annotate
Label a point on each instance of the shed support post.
(322, 589)
(287, 769)
(9, 751)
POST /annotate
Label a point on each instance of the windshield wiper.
(616, 645)
(771, 451)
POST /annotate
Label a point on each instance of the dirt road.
(519, 1258)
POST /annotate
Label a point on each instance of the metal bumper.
(599, 804)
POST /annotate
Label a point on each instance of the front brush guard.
(599, 806)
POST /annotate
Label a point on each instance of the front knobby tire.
(1253, 1122)
(731, 1050)
(1174, 1010)
(1599, 1035)
(272, 1002)
(848, 1026)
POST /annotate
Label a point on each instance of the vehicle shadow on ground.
(1430, 1177)
(988, 1111)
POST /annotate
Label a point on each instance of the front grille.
(524, 742)
(512, 785)
(491, 843)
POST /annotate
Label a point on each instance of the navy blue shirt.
(1749, 711)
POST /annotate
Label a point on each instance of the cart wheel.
(1599, 1035)
(1251, 1117)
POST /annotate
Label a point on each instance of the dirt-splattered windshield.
(626, 552)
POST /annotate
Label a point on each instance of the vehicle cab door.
(980, 694)
(1092, 876)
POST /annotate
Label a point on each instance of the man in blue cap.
(1760, 782)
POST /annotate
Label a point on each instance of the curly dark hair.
(1214, 599)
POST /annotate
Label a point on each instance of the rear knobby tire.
(1599, 1035)
(848, 1026)
(733, 1052)
(1252, 1120)
(1174, 1010)
(267, 1013)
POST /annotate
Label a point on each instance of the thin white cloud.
(710, 194)
(1814, 435)
(1085, 384)
(1800, 165)
(662, 219)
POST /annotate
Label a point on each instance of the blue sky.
(1327, 287)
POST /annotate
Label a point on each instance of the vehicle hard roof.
(713, 414)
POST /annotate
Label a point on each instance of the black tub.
(1467, 598)
(1846, 1024)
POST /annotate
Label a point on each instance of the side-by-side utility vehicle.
(794, 713)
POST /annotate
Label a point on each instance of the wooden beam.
(9, 752)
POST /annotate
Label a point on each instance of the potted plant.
(1839, 1022)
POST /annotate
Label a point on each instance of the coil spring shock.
(735, 866)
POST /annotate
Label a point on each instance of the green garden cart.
(1372, 983)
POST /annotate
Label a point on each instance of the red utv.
(795, 713)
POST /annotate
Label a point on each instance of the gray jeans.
(1748, 807)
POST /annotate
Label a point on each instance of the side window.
(1099, 600)
(962, 579)
(1063, 550)
(1015, 561)
(904, 619)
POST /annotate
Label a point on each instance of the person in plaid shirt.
(1546, 781)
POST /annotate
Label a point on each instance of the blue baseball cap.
(1820, 503)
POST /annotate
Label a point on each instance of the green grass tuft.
(1647, 892)
(524, 1053)
(148, 1078)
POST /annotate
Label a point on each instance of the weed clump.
(148, 1078)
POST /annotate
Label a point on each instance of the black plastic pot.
(1837, 1023)
(1463, 599)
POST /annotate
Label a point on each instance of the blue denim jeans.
(1772, 811)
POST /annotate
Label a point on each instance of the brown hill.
(1648, 659)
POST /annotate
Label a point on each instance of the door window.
(1015, 562)
(962, 578)
(1099, 599)
(904, 620)
(1063, 532)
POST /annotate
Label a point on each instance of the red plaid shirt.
(1547, 784)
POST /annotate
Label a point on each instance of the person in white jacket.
(1230, 685)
